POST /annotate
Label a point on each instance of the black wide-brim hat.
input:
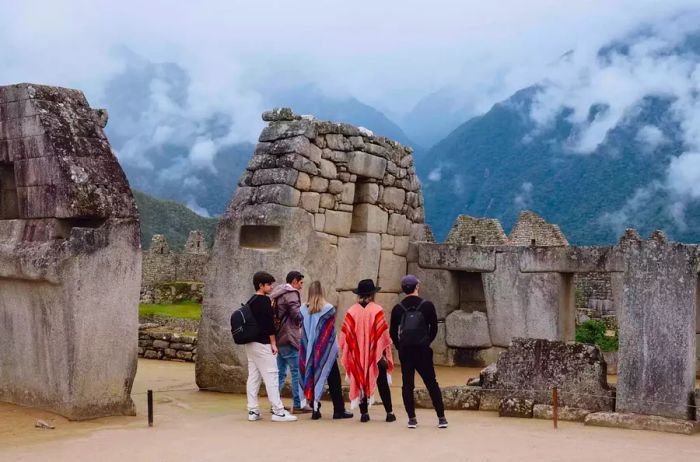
(366, 287)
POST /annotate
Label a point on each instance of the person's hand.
(274, 349)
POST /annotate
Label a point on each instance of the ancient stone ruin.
(528, 292)
(70, 262)
(331, 200)
(169, 276)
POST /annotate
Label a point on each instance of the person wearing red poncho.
(366, 351)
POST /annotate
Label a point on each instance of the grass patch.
(182, 310)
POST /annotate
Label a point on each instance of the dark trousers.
(384, 392)
(419, 359)
(335, 389)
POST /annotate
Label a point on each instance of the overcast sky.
(386, 53)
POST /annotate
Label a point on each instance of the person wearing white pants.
(261, 354)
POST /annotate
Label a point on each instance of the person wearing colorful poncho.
(366, 351)
(318, 352)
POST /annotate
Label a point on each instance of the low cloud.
(523, 199)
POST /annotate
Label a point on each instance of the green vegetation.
(593, 332)
(172, 219)
(183, 310)
(496, 164)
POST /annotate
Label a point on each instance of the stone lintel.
(472, 258)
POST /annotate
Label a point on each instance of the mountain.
(436, 115)
(641, 174)
(309, 99)
(172, 219)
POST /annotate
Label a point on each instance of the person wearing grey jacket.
(287, 302)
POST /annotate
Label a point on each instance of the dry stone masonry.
(70, 258)
(331, 200)
(169, 276)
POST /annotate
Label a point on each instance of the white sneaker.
(254, 415)
(284, 416)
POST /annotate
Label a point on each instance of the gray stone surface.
(391, 268)
(70, 262)
(520, 304)
(457, 398)
(642, 422)
(467, 330)
(570, 414)
(657, 329)
(473, 258)
(364, 250)
(531, 368)
(369, 218)
(516, 407)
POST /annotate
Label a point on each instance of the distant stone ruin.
(331, 200)
(69, 257)
(528, 292)
(170, 276)
(484, 310)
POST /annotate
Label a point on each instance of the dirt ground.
(207, 426)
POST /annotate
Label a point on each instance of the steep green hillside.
(171, 218)
(498, 164)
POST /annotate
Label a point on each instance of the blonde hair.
(365, 298)
(317, 297)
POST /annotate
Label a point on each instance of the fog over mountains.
(585, 112)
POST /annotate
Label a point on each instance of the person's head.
(317, 297)
(410, 285)
(263, 282)
(365, 291)
(295, 279)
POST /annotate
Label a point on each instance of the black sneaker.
(442, 422)
(343, 415)
(315, 415)
(390, 417)
(412, 422)
(364, 418)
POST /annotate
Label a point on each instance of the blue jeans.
(289, 356)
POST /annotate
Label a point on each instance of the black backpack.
(244, 327)
(413, 330)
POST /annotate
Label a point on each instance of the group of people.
(301, 337)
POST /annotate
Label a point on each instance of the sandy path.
(212, 427)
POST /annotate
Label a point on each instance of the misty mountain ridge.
(589, 163)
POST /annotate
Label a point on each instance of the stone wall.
(471, 230)
(331, 200)
(70, 257)
(167, 346)
(162, 267)
(532, 230)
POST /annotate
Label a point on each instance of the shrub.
(593, 333)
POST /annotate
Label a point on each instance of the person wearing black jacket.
(415, 352)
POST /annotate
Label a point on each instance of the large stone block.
(275, 176)
(367, 192)
(69, 276)
(278, 194)
(369, 218)
(657, 356)
(530, 368)
(399, 225)
(363, 250)
(337, 222)
(366, 165)
(391, 269)
(467, 330)
(288, 129)
(393, 198)
(522, 304)
(310, 201)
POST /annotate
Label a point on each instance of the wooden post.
(555, 402)
(150, 408)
